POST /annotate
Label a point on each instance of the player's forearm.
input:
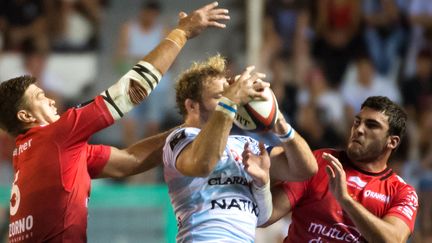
(143, 78)
(281, 204)
(148, 152)
(209, 145)
(166, 52)
(263, 198)
(142, 156)
(372, 228)
(300, 161)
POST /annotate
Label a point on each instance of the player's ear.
(191, 106)
(25, 116)
(393, 141)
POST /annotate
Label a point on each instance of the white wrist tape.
(287, 136)
(117, 96)
(263, 199)
(227, 106)
(178, 37)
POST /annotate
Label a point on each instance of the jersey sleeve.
(404, 205)
(175, 143)
(97, 157)
(81, 122)
(296, 190)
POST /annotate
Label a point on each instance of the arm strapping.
(263, 199)
(131, 89)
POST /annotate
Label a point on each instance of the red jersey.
(318, 217)
(53, 165)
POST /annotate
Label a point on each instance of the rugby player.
(53, 161)
(217, 192)
(355, 196)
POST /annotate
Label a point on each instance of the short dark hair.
(11, 101)
(397, 117)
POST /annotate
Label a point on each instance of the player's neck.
(375, 165)
(31, 125)
(192, 123)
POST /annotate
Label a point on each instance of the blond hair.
(190, 83)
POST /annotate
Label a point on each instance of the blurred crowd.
(59, 25)
(322, 57)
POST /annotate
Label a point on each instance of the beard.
(366, 153)
(204, 113)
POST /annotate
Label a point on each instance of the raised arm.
(293, 160)
(140, 81)
(189, 26)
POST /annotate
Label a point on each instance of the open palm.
(257, 166)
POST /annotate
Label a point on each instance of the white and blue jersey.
(217, 208)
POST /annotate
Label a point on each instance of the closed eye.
(40, 95)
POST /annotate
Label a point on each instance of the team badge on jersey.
(177, 138)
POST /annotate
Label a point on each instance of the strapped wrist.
(263, 198)
(266, 186)
(227, 106)
(288, 136)
(178, 37)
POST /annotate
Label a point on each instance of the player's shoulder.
(180, 134)
(319, 152)
(94, 108)
(399, 183)
(81, 105)
(61, 125)
(183, 132)
(402, 191)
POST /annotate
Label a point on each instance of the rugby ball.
(258, 115)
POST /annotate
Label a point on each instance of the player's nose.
(359, 130)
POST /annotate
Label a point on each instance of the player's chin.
(55, 118)
(355, 151)
(353, 147)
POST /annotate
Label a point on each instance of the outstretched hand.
(207, 16)
(337, 178)
(257, 166)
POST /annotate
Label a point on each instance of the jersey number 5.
(15, 197)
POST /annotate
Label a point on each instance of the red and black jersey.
(53, 165)
(318, 217)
